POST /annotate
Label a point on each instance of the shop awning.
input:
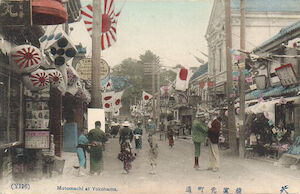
(273, 92)
(268, 106)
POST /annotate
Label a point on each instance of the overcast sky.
(172, 29)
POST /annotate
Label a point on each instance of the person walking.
(125, 155)
(199, 133)
(153, 145)
(213, 140)
(138, 133)
(82, 147)
(97, 138)
(171, 137)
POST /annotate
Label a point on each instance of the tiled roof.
(273, 92)
(200, 71)
(268, 5)
(283, 32)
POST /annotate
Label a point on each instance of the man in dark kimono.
(97, 138)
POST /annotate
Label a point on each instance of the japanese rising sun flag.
(109, 22)
(117, 100)
(182, 79)
(108, 100)
(146, 97)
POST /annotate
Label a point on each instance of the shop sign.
(84, 69)
(37, 139)
(15, 12)
(287, 75)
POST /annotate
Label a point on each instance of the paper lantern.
(37, 80)
(25, 58)
(226, 113)
(55, 77)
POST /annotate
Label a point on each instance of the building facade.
(263, 20)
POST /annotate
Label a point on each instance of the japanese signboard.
(37, 139)
(84, 69)
(15, 13)
(286, 74)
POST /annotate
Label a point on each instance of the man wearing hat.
(125, 139)
(97, 138)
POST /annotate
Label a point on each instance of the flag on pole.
(146, 97)
(109, 22)
(182, 79)
(108, 86)
(117, 100)
(108, 100)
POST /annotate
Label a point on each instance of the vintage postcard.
(150, 97)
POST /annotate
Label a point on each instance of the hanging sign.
(84, 69)
(15, 13)
(287, 75)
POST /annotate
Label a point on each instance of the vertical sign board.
(37, 139)
(96, 114)
(287, 75)
(15, 12)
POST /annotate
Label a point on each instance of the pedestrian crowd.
(93, 142)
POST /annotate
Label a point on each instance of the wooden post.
(96, 54)
(55, 108)
(242, 83)
(230, 100)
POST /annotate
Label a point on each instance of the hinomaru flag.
(182, 79)
(108, 101)
(117, 100)
(146, 97)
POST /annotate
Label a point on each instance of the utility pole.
(153, 90)
(96, 54)
(158, 95)
(230, 99)
(242, 82)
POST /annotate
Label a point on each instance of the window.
(10, 110)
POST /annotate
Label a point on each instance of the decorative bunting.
(249, 79)
(235, 78)
(242, 65)
(235, 73)
(237, 57)
(245, 72)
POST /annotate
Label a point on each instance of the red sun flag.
(183, 74)
(146, 97)
(109, 22)
(107, 98)
(117, 101)
(107, 105)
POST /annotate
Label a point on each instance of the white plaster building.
(264, 19)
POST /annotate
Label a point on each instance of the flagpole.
(96, 54)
